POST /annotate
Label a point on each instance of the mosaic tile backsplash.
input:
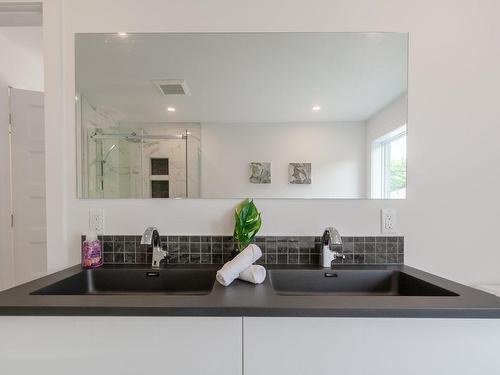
(276, 250)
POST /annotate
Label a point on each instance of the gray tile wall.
(276, 250)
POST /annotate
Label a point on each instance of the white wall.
(335, 150)
(391, 117)
(454, 56)
(19, 68)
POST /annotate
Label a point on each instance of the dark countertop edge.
(431, 312)
(424, 313)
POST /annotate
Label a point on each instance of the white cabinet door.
(120, 345)
(28, 185)
(300, 346)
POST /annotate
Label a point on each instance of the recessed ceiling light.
(316, 108)
(122, 33)
(171, 109)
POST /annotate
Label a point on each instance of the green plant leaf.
(247, 223)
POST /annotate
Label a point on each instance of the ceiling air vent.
(172, 87)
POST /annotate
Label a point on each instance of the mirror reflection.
(232, 115)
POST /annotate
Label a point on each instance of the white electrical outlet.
(96, 221)
(389, 220)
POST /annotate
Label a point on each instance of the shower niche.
(160, 184)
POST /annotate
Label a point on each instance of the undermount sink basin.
(352, 282)
(134, 281)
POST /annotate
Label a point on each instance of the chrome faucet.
(152, 237)
(331, 238)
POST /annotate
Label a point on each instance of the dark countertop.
(244, 299)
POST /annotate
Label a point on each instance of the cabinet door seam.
(242, 345)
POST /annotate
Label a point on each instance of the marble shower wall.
(175, 151)
(179, 159)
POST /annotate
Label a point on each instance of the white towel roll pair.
(242, 267)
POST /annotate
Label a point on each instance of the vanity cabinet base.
(120, 345)
(354, 346)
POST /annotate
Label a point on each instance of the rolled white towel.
(254, 274)
(232, 269)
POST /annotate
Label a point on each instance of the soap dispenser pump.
(331, 237)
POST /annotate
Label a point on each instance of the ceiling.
(243, 77)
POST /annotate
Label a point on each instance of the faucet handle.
(326, 236)
(337, 255)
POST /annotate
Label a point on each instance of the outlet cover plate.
(388, 221)
(96, 221)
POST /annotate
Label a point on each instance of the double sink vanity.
(191, 290)
(170, 288)
(314, 317)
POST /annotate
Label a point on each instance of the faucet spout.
(331, 238)
(152, 237)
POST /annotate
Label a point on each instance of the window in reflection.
(389, 165)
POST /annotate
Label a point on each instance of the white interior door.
(28, 185)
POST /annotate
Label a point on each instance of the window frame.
(381, 146)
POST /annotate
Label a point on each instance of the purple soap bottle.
(91, 252)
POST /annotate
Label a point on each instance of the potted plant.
(247, 224)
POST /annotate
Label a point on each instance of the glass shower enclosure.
(136, 162)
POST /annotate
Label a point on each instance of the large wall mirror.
(232, 115)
